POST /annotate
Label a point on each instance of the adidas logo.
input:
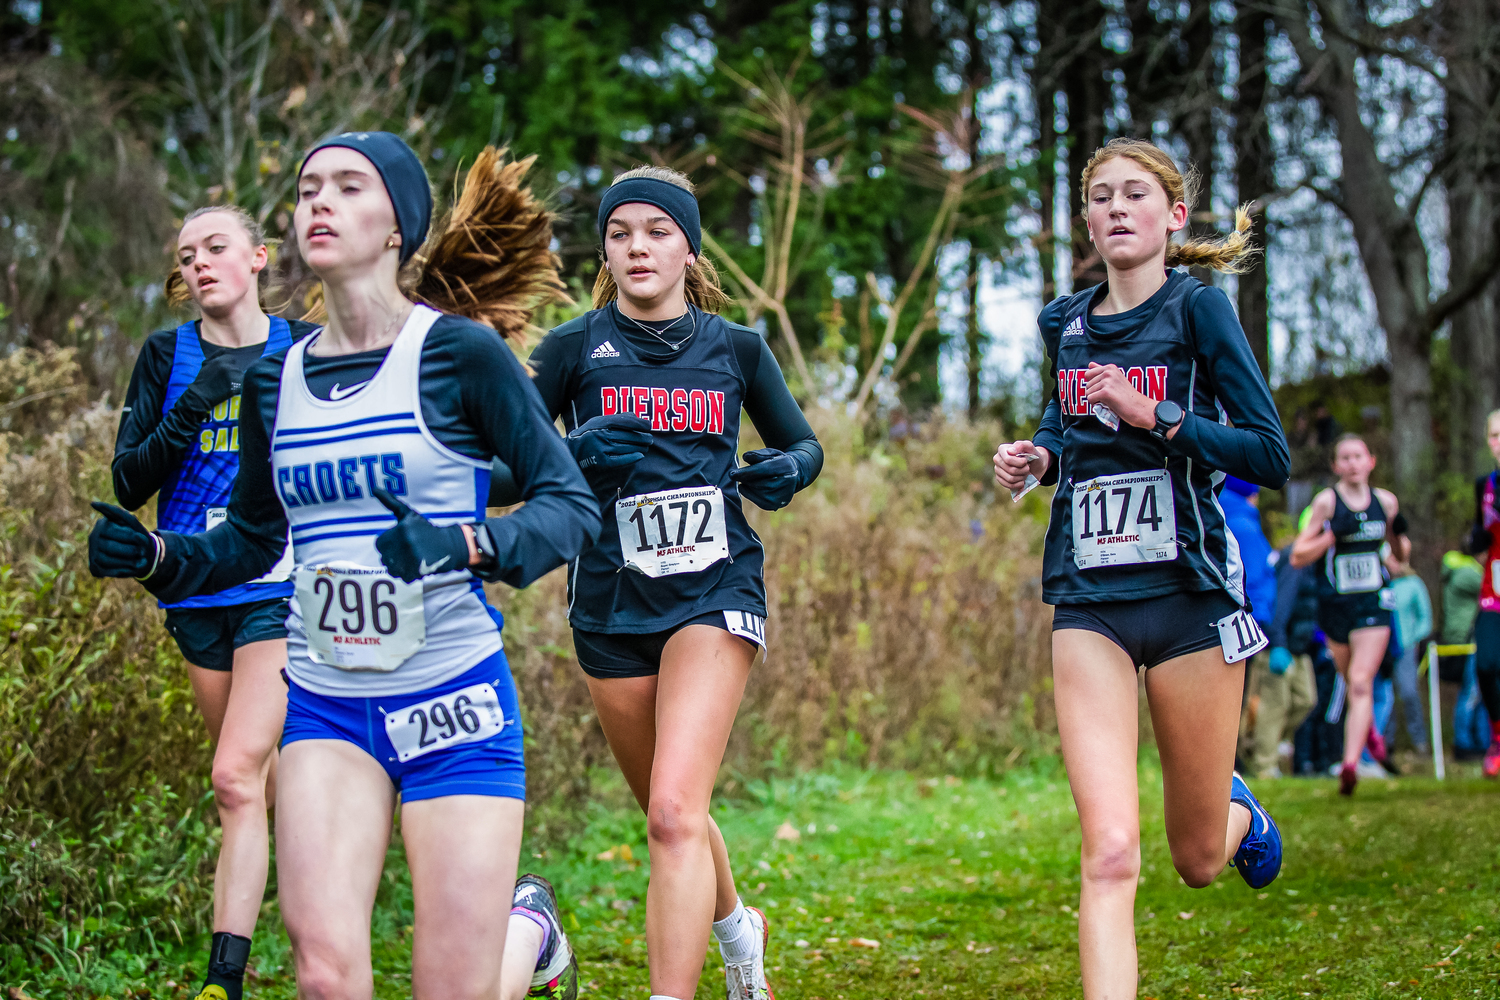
(1075, 328)
(605, 350)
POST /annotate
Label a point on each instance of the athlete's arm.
(561, 516)
(553, 363)
(1254, 448)
(1315, 538)
(777, 417)
(253, 536)
(149, 445)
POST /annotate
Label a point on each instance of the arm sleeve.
(553, 363)
(561, 516)
(779, 419)
(1255, 448)
(1049, 433)
(149, 445)
(253, 536)
(1424, 612)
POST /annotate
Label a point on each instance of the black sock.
(227, 956)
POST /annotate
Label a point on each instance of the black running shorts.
(1156, 629)
(1338, 616)
(208, 637)
(606, 655)
(1487, 643)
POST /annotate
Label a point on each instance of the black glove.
(768, 478)
(416, 547)
(219, 378)
(120, 545)
(1480, 540)
(613, 442)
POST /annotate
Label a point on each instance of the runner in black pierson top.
(668, 609)
(723, 358)
(179, 441)
(1151, 368)
(1354, 529)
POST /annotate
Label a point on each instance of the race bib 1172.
(673, 531)
(1123, 519)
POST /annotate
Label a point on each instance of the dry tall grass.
(905, 630)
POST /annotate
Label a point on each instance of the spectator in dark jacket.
(1287, 690)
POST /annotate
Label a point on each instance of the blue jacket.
(1255, 552)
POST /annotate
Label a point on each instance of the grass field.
(969, 889)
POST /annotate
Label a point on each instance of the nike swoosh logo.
(426, 567)
(337, 393)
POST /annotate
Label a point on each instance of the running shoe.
(747, 980)
(1259, 858)
(1375, 745)
(1348, 778)
(213, 991)
(556, 976)
(1492, 756)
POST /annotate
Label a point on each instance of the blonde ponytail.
(1231, 254)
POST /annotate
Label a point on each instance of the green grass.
(971, 888)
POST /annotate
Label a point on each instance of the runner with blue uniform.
(371, 441)
(669, 607)
(179, 440)
(1158, 398)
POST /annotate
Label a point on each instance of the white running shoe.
(747, 980)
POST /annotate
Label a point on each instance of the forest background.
(891, 190)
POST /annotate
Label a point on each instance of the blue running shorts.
(495, 766)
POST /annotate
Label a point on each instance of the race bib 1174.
(1123, 519)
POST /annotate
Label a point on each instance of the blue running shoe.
(1259, 858)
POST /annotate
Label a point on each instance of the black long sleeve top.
(476, 399)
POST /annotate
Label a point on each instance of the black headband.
(405, 181)
(675, 201)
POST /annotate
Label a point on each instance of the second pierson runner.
(668, 609)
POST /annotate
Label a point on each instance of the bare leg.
(1094, 688)
(627, 714)
(245, 710)
(523, 944)
(332, 829)
(1359, 664)
(462, 851)
(696, 696)
(1195, 710)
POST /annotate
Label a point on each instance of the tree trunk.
(1473, 91)
(1391, 248)
(1198, 90)
(1253, 161)
(1083, 83)
(1046, 189)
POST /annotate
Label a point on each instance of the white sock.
(735, 934)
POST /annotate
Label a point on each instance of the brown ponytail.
(701, 285)
(1231, 254)
(490, 259)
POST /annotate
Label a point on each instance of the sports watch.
(1168, 415)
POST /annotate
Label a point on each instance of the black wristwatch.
(1168, 415)
(484, 542)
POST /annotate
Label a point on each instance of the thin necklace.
(658, 336)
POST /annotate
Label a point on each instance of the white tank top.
(326, 456)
